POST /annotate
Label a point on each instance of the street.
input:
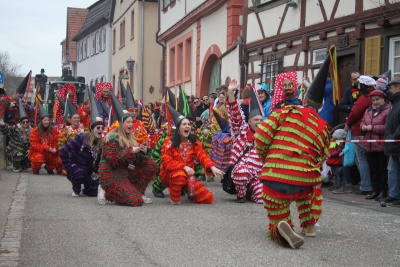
(43, 225)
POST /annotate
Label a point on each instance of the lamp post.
(130, 63)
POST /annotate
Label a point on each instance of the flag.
(337, 98)
(38, 98)
(29, 85)
(184, 108)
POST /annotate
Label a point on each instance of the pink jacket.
(376, 118)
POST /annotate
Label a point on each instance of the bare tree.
(12, 75)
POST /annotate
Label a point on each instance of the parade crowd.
(268, 147)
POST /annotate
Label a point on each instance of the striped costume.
(39, 152)
(80, 163)
(123, 185)
(173, 175)
(293, 143)
(246, 172)
(140, 133)
(156, 156)
(17, 146)
(68, 133)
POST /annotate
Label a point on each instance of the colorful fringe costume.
(81, 164)
(140, 133)
(156, 156)
(17, 147)
(293, 143)
(122, 185)
(9, 110)
(84, 115)
(39, 152)
(173, 175)
(221, 149)
(247, 171)
(69, 133)
(62, 93)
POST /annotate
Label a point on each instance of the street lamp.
(130, 63)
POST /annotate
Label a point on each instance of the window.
(114, 40)
(103, 40)
(180, 53)
(261, 2)
(166, 3)
(122, 34)
(93, 44)
(97, 42)
(270, 67)
(84, 49)
(87, 46)
(319, 56)
(394, 57)
(132, 24)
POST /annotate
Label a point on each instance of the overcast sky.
(32, 31)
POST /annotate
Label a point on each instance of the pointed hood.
(42, 112)
(122, 88)
(62, 103)
(119, 109)
(221, 121)
(130, 100)
(71, 109)
(86, 93)
(140, 112)
(24, 84)
(176, 116)
(255, 105)
(22, 112)
(95, 118)
(317, 88)
(171, 99)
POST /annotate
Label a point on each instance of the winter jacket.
(393, 126)
(376, 118)
(356, 115)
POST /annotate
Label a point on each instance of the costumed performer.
(293, 144)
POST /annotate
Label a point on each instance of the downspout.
(142, 54)
(163, 51)
(241, 62)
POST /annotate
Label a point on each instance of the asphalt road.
(45, 226)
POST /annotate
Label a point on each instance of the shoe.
(240, 200)
(294, 240)
(159, 194)
(389, 199)
(396, 202)
(16, 169)
(175, 203)
(333, 187)
(347, 188)
(210, 179)
(381, 196)
(373, 195)
(362, 193)
(75, 194)
(201, 178)
(309, 231)
(147, 200)
(50, 172)
(36, 173)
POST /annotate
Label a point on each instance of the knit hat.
(339, 134)
(264, 87)
(377, 92)
(381, 84)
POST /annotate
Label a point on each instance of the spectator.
(350, 94)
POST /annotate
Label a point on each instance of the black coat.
(347, 101)
(392, 127)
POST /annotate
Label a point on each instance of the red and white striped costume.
(247, 171)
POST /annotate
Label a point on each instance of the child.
(335, 157)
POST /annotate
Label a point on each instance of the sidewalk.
(8, 184)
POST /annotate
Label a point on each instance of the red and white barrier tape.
(366, 141)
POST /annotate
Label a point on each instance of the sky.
(32, 32)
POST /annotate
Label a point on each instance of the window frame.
(392, 57)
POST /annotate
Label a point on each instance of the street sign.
(1, 79)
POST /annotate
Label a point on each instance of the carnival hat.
(62, 102)
(86, 93)
(24, 84)
(71, 109)
(22, 112)
(95, 118)
(171, 99)
(130, 100)
(221, 121)
(317, 88)
(42, 112)
(255, 107)
(176, 116)
(367, 80)
(119, 109)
